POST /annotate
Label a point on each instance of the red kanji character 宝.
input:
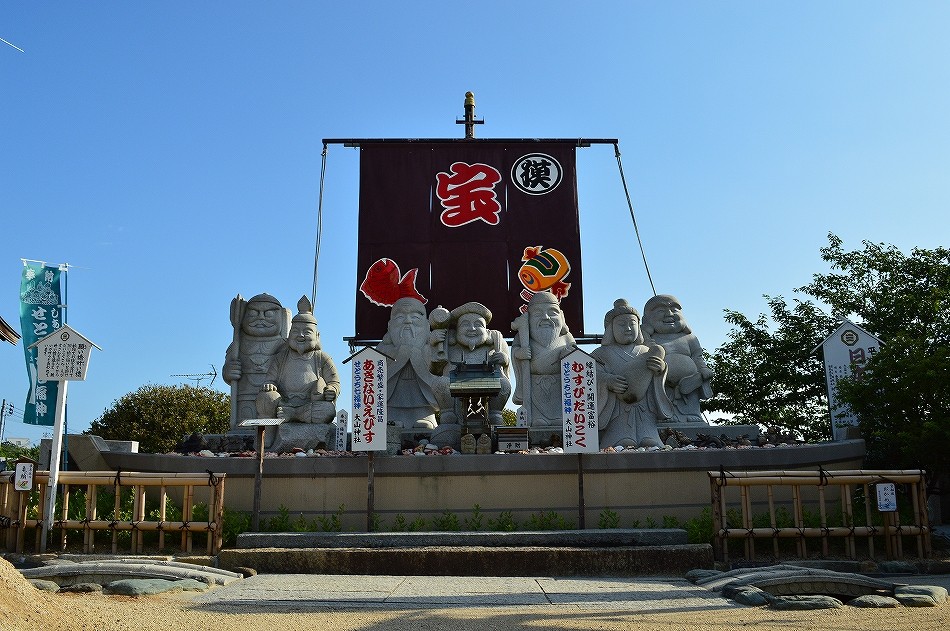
(468, 194)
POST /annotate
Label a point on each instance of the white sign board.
(340, 436)
(260, 422)
(886, 497)
(579, 403)
(23, 478)
(847, 351)
(369, 401)
(63, 356)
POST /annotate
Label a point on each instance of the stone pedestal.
(306, 436)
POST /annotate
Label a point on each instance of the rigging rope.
(636, 229)
(316, 253)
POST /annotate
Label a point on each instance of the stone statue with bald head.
(688, 378)
(411, 397)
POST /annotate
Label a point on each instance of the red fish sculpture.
(383, 284)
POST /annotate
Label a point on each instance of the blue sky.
(170, 151)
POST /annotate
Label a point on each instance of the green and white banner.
(41, 313)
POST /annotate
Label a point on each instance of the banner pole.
(54, 458)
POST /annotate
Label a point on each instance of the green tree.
(771, 377)
(11, 452)
(901, 397)
(159, 417)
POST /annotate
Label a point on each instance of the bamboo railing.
(15, 506)
(813, 488)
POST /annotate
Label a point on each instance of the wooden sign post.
(261, 424)
(62, 356)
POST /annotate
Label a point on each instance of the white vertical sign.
(847, 351)
(886, 497)
(579, 399)
(369, 401)
(340, 435)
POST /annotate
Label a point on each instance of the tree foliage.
(159, 417)
(772, 378)
(901, 398)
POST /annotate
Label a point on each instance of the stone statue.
(302, 383)
(260, 330)
(631, 397)
(412, 400)
(468, 340)
(542, 339)
(687, 377)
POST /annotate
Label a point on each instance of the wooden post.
(581, 508)
(370, 490)
(258, 479)
(54, 458)
(162, 506)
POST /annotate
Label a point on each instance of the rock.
(81, 588)
(694, 576)
(896, 567)
(802, 603)
(874, 602)
(747, 595)
(920, 595)
(151, 586)
(44, 586)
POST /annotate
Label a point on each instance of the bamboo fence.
(15, 507)
(819, 488)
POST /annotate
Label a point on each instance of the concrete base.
(730, 431)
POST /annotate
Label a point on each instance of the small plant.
(504, 523)
(475, 521)
(300, 524)
(334, 521)
(608, 519)
(669, 521)
(446, 522)
(399, 524)
(700, 529)
(279, 522)
(548, 521)
(417, 525)
(651, 523)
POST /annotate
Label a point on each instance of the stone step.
(440, 560)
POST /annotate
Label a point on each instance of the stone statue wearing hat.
(302, 383)
(260, 331)
(468, 340)
(631, 371)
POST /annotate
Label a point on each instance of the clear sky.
(170, 151)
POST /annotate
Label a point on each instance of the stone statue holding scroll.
(542, 339)
(468, 340)
(631, 396)
(302, 383)
(411, 386)
(688, 377)
(260, 326)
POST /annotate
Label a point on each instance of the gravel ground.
(26, 609)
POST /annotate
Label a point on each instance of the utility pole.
(6, 409)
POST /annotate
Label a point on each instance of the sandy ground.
(24, 608)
